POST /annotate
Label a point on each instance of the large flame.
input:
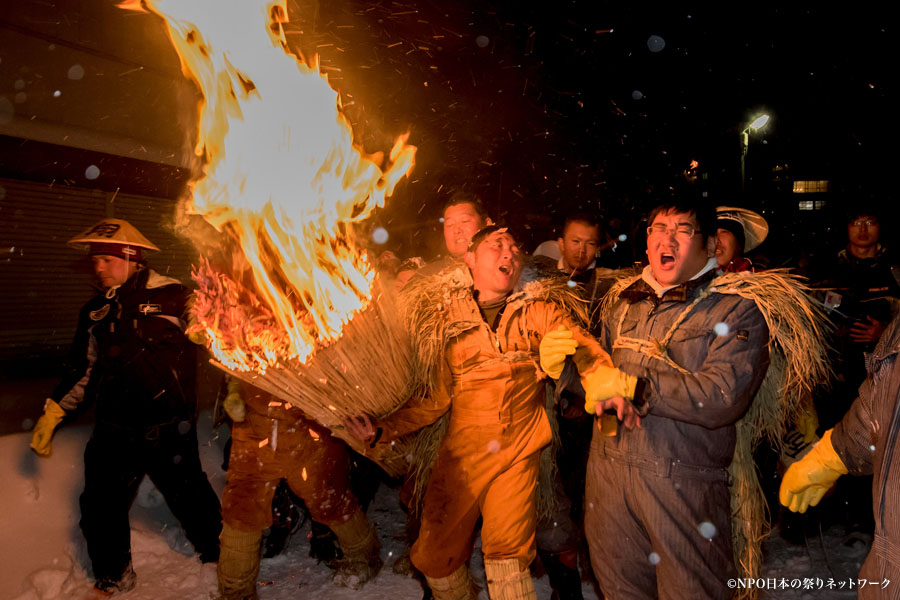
(282, 178)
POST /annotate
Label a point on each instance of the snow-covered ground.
(43, 556)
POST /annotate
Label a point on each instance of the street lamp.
(757, 123)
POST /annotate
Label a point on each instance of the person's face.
(496, 265)
(112, 270)
(726, 247)
(578, 246)
(461, 222)
(676, 257)
(863, 231)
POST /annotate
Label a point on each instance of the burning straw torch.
(289, 300)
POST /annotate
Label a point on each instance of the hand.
(388, 262)
(235, 407)
(604, 383)
(196, 333)
(361, 428)
(625, 412)
(867, 331)
(198, 337)
(42, 434)
(573, 409)
(555, 347)
(807, 480)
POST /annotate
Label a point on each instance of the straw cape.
(798, 363)
(425, 304)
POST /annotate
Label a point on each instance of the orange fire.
(283, 180)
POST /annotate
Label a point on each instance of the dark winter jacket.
(861, 287)
(722, 343)
(131, 356)
(866, 441)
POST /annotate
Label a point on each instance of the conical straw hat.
(112, 231)
(754, 225)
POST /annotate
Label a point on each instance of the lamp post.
(757, 123)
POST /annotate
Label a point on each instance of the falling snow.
(655, 43)
(707, 530)
(380, 235)
(75, 72)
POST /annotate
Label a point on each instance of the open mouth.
(666, 259)
(505, 269)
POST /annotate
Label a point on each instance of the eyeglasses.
(866, 222)
(682, 232)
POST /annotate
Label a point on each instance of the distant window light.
(811, 187)
(811, 204)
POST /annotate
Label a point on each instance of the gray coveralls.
(658, 510)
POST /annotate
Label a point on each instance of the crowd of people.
(578, 414)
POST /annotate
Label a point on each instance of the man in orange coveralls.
(273, 440)
(487, 376)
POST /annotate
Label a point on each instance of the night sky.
(542, 108)
(545, 108)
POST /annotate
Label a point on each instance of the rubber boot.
(455, 586)
(361, 560)
(286, 519)
(238, 563)
(323, 544)
(561, 568)
(507, 580)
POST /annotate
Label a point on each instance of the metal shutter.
(43, 282)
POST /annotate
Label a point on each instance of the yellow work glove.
(195, 332)
(555, 347)
(45, 426)
(198, 337)
(234, 401)
(807, 480)
(604, 383)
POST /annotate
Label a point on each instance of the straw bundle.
(366, 371)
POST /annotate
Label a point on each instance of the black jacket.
(131, 357)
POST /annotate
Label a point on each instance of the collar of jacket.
(640, 290)
(847, 257)
(146, 278)
(464, 313)
(135, 282)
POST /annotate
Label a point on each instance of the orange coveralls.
(489, 459)
(276, 440)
